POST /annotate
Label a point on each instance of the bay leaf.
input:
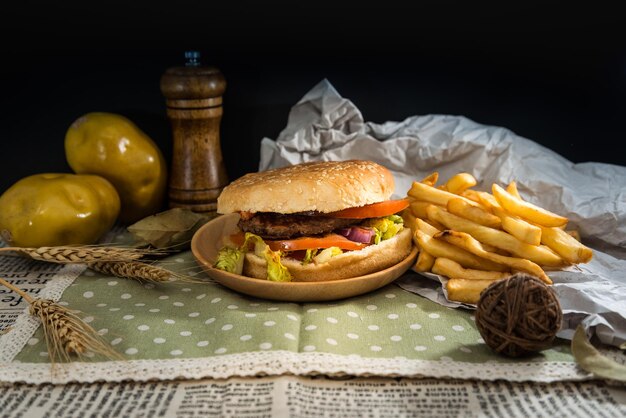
(171, 229)
(591, 360)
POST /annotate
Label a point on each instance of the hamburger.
(314, 221)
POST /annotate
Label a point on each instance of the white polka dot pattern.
(144, 321)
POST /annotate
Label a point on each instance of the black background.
(556, 75)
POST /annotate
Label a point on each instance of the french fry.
(409, 219)
(526, 210)
(453, 270)
(431, 179)
(512, 189)
(565, 245)
(431, 228)
(472, 195)
(424, 262)
(475, 238)
(439, 248)
(427, 228)
(519, 228)
(418, 208)
(466, 291)
(458, 183)
(488, 201)
(433, 195)
(574, 233)
(467, 242)
(435, 224)
(489, 248)
(476, 214)
(541, 255)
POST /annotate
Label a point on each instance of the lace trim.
(286, 362)
(25, 326)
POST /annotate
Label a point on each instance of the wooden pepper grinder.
(194, 107)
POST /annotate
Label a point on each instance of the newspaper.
(292, 396)
(28, 275)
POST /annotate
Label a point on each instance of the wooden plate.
(207, 241)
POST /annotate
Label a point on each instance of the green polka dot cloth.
(174, 330)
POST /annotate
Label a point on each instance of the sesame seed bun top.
(326, 186)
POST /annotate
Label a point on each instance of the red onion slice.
(357, 234)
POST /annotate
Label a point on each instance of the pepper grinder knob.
(194, 106)
(193, 58)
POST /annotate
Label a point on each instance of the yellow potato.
(431, 194)
(466, 291)
(541, 255)
(565, 245)
(460, 182)
(526, 210)
(467, 242)
(453, 270)
(476, 214)
(439, 248)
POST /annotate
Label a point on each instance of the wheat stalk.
(132, 270)
(65, 333)
(138, 270)
(81, 254)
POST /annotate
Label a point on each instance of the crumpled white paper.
(325, 126)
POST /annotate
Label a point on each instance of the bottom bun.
(349, 264)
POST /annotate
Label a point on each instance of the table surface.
(178, 323)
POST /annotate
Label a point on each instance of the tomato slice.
(375, 210)
(305, 243)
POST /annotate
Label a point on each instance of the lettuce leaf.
(326, 254)
(276, 272)
(310, 254)
(230, 260)
(386, 227)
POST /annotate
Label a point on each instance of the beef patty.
(279, 226)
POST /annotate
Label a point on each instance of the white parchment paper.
(325, 126)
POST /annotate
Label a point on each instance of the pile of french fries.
(474, 237)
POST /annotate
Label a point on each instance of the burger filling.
(279, 226)
(309, 237)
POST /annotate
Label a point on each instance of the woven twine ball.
(518, 316)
